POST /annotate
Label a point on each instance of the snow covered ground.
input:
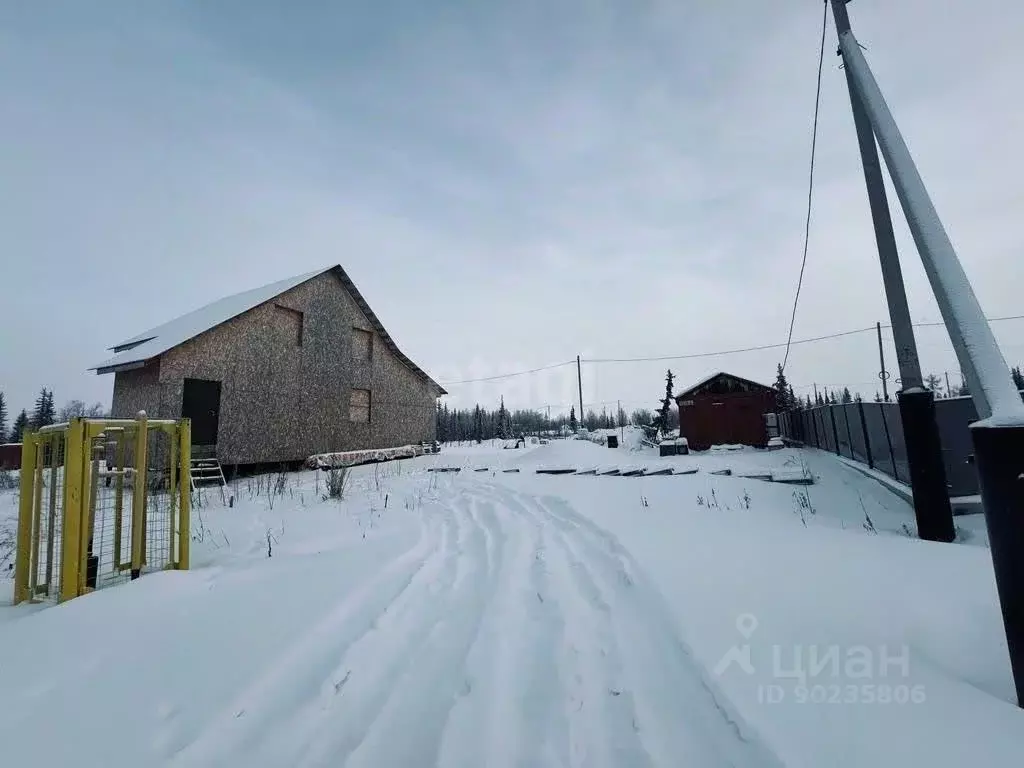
(494, 618)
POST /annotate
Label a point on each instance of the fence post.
(849, 432)
(835, 431)
(139, 494)
(22, 553)
(814, 427)
(71, 534)
(867, 437)
(184, 492)
(888, 442)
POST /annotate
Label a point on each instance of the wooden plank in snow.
(658, 472)
(792, 477)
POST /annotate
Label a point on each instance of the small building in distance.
(725, 410)
(278, 373)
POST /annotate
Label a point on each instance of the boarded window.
(359, 406)
(291, 321)
(362, 344)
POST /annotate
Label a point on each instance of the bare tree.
(73, 409)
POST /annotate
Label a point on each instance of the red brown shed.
(10, 456)
(725, 409)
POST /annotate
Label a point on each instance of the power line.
(758, 348)
(509, 375)
(779, 345)
(810, 188)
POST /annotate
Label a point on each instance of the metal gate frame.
(71, 448)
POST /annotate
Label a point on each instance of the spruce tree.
(665, 412)
(502, 427)
(846, 396)
(20, 425)
(3, 418)
(43, 413)
(573, 424)
(782, 390)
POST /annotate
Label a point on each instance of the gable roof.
(134, 352)
(712, 377)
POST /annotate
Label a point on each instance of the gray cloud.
(509, 184)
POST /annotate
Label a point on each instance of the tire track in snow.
(409, 729)
(682, 716)
(281, 690)
(599, 718)
(353, 694)
(509, 710)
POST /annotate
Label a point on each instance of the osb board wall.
(282, 402)
(137, 390)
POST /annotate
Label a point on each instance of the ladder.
(208, 470)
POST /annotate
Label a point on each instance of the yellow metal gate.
(102, 501)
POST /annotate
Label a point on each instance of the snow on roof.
(715, 375)
(138, 349)
(701, 383)
(158, 340)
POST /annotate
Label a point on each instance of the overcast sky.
(509, 183)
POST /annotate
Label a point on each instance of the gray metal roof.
(135, 351)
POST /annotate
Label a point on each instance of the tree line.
(479, 423)
(787, 401)
(44, 412)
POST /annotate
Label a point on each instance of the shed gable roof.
(721, 376)
(135, 351)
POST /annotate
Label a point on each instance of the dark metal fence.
(872, 433)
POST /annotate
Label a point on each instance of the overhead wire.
(810, 187)
(697, 355)
(508, 375)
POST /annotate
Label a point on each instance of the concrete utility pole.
(917, 404)
(882, 374)
(999, 435)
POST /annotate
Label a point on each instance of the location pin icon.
(746, 623)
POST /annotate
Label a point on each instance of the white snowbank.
(483, 618)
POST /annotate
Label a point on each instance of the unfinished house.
(278, 373)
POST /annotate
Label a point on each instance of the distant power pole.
(618, 415)
(949, 392)
(579, 383)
